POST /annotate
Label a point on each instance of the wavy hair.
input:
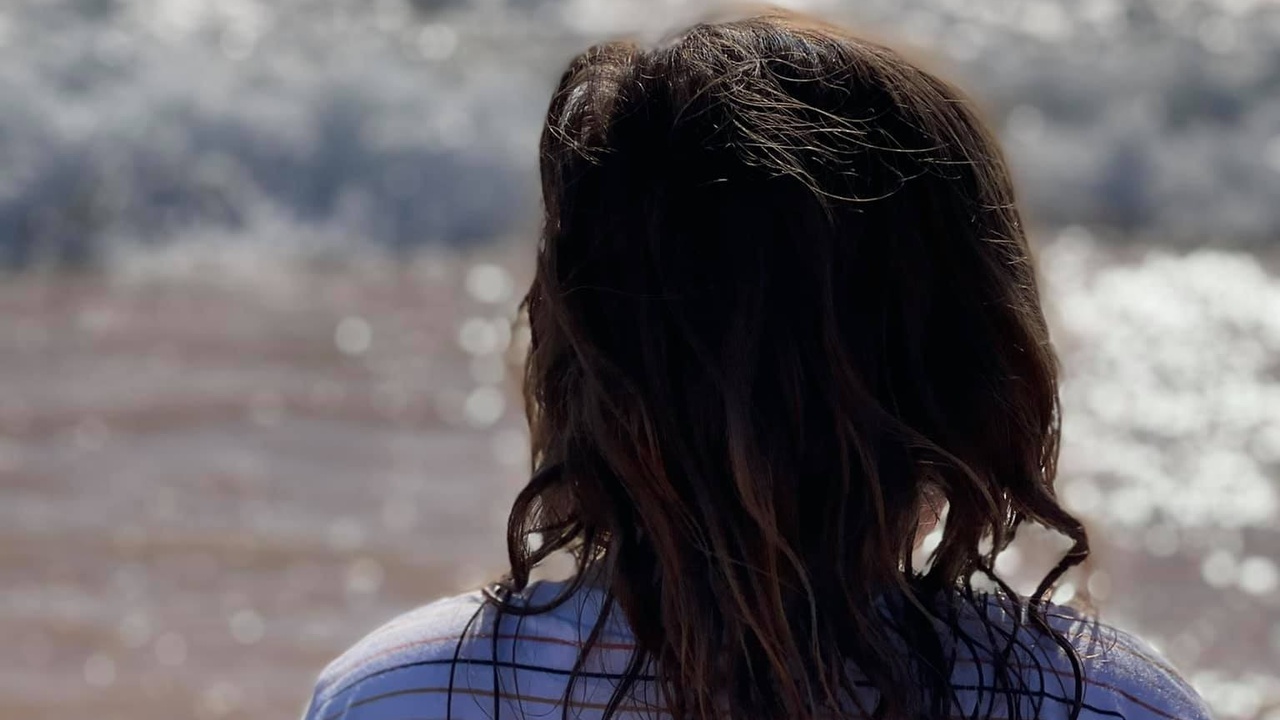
(783, 307)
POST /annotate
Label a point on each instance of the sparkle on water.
(1109, 103)
(1171, 377)
(489, 283)
(1258, 576)
(1172, 440)
(1099, 585)
(1220, 569)
(247, 627)
(484, 336)
(484, 406)
(353, 336)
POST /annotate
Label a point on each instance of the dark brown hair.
(783, 302)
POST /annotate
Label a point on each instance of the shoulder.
(415, 650)
(1125, 674)
(1124, 677)
(456, 657)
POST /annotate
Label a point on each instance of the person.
(784, 319)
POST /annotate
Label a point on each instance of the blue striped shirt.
(448, 661)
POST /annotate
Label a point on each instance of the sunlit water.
(408, 122)
(215, 477)
(219, 463)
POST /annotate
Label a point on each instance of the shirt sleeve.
(1125, 675)
(407, 668)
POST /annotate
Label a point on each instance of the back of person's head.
(784, 312)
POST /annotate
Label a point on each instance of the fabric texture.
(455, 659)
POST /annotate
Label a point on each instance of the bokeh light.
(263, 261)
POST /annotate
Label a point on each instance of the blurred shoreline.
(256, 394)
(237, 472)
(411, 123)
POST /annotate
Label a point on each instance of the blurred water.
(1171, 410)
(276, 410)
(233, 475)
(236, 473)
(332, 123)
